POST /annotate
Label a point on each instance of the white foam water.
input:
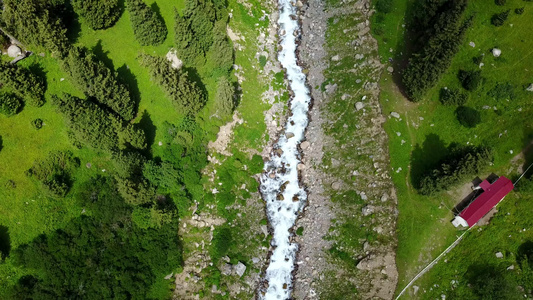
(280, 186)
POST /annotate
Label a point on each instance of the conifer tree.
(148, 27)
(99, 14)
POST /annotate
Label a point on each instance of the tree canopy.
(149, 28)
(99, 14)
(23, 83)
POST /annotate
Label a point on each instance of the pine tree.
(23, 83)
(224, 97)
(99, 14)
(148, 27)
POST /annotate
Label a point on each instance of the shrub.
(55, 171)
(460, 164)
(99, 14)
(384, 6)
(9, 104)
(185, 95)
(468, 117)
(499, 19)
(148, 27)
(96, 80)
(470, 80)
(502, 91)
(37, 124)
(23, 83)
(262, 61)
(450, 96)
(519, 11)
(478, 59)
(221, 51)
(500, 2)
(224, 98)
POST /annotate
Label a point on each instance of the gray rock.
(496, 52)
(14, 51)
(359, 105)
(227, 269)
(255, 260)
(415, 289)
(335, 58)
(169, 276)
(511, 267)
(304, 145)
(367, 210)
(390, 69)
(530, 88)
(336, 185)
(395, 115)
(239, 269)
(289, 135)
(499, 255)
(472, 44)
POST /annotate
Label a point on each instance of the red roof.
(485, 185)
(491, 196)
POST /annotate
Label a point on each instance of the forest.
(125, 240)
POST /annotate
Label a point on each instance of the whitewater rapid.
(280, 187)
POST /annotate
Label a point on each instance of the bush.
(99, 14)
(470, 80)
(23, 83)
(502, 91)
(478, 59)
(186, 96)
(37, 124)
(55, 172)
(96, 80)
(460, 164)
(221, 51)
(384, 6)
(148, 27)
(224, 98)
(468, 117)
(9, 104)
(500, 2)
(519, 11)
(499, 19)
(449, 96)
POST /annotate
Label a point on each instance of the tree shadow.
(5, 242)
(150, 130)
(426, 157)
(102, 55)
(125, 76)
(1, 143)
(525, 251)
(39, 71)
(70, 20)
(155, 8)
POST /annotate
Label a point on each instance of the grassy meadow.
(425, 131)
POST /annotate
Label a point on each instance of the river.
(280, 187)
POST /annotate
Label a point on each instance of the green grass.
(423, 225)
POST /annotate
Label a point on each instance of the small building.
(492, 194)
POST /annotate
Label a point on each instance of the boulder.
(239, 269)
(304, 145)
(367, 210)
(226, 269)
(335, 58)
(499, 255)
(472, 44)
(359, 105)
(496, 52)
(395, 115)
(530, 88)
(289, 135)
(390, 69)
(14, 51)
(336, 185)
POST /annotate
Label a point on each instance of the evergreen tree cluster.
(23, 83)
(96, 128)
(99, 14)
(149, 28)
(10, 104)
(55, 172)
(37, 23)
(186, 96)
(195, 30)
(101, 255)
(440, 27)
(500, 18)
(461, 164)
(96, 80)
(452, 96)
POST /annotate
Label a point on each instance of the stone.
(160, 143)
(385, 197)
(264, 229)
(239, 269)
(300, 167)
(499, 255)
(390, 69)
(304, 145)
(14, 51)
(530, 88)
(289, 135)
(169, 276)
(345, 96)
(395, 115)
(88, 165)
(227, 269)
(367, 210)
(226, 259)
(496, 52)
(272, 175)
(511, 267)
(398, 133)
(472, 44)
(335, 58)
(359, 105)
(336, 185)
(255, 260)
